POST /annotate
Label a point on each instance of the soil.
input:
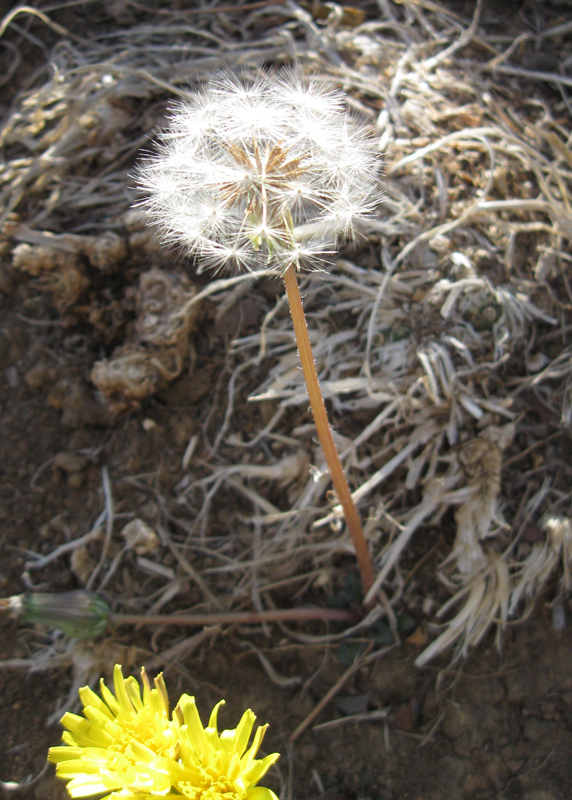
(496, 725)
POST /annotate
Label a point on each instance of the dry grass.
(443, 344)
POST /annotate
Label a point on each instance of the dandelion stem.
(238, 617)
(325, 432)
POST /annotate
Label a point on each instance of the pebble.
(483, 257)
(395, 681)
(76, 480)
(308, 753)
(70, 462)
(79, 409)
(459, 726)
(40, 375)
(12, 377)
(517, 687)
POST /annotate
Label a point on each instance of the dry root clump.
(161, 341)
(58, 273)
(61, 262)
(68, 265)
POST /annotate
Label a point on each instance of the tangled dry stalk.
(443, 345)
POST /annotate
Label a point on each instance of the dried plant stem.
(325, 432)
(237, 617)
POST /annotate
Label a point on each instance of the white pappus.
(261, 172)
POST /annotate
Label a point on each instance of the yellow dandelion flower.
(117, 742)
(125, 746)
(215, 766)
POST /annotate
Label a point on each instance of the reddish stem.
(237, 617)
(325, 432)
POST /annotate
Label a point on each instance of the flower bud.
(80, 614)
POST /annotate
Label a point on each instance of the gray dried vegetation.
(442, 342)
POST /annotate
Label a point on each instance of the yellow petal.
(151, 778)
(214, 715)
(260, 793)
(94, 738)
(140, 752)
(225, 740)
(108, 698)
(195, 730)
(254, 747)
(162, 696)
(71, 721)
(74, 770)
(82, 732)
(254, 773)
(96, 718)
(147, 693)
(243, 731)
(89, 698)
(190, 769)
(63, 753)
(134, 692)
(88, 786)
(91, 760)
(125, 704)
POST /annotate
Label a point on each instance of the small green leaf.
(348, 594)
(406, 624)
(349, 651)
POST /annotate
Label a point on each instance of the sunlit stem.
(325, 432)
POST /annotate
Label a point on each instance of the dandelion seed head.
(261, 172)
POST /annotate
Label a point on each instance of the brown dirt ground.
(496, 726)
